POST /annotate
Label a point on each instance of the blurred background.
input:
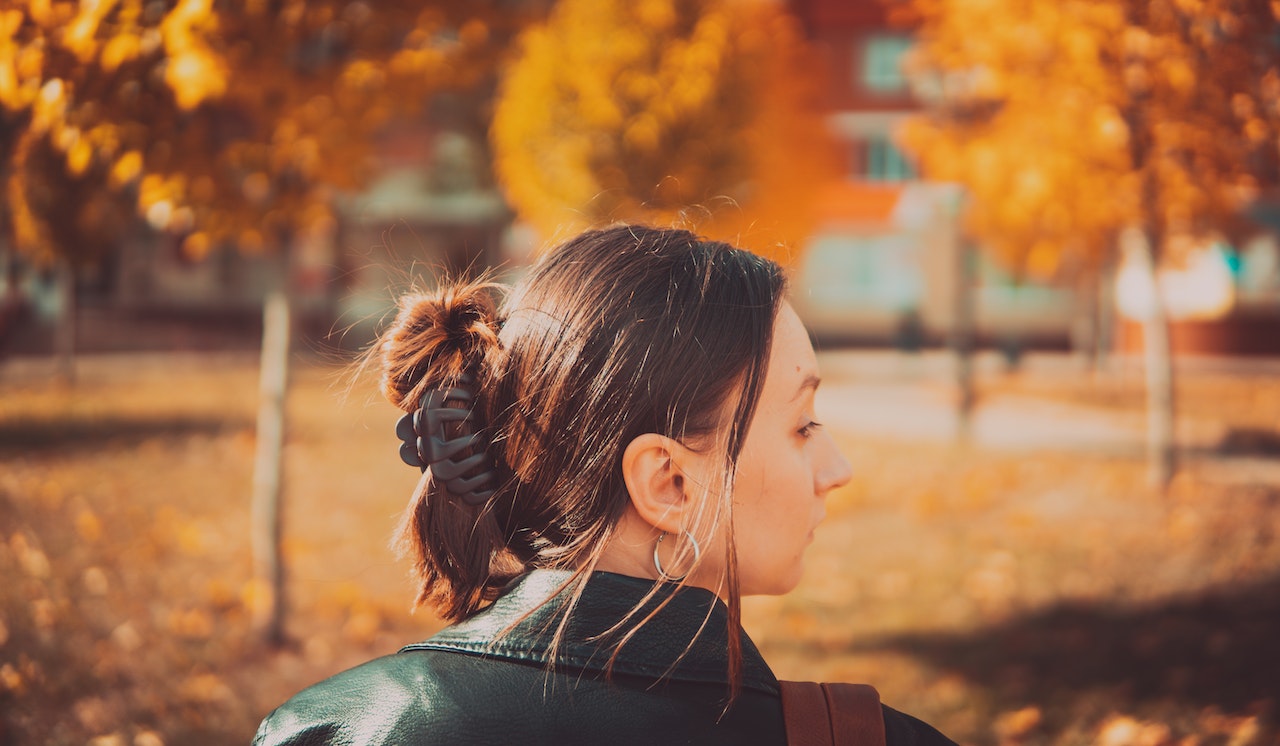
(1036, 244)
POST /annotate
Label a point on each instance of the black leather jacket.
(495, 678)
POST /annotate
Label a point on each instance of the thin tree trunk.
(1084, 325)
(1157, 359)
(962, 333)
(64, 337)
(10, 300)
(268, 482)
(1105, 315)
(1146, 246)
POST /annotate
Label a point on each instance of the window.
(882, 63)
(884, 162)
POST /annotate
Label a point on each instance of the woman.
(611, 461)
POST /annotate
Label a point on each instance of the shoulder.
(381, 701)
(901, 729)
(425, 697)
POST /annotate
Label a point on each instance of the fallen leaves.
(126, 637)
(191, 624)
(10, 680)
(205, 688)
(1120, 730)
(33, 561)
(88, 525)
(128, 585)
(993, 584)
(1015, 727)
(95, 582)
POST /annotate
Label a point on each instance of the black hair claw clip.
(472, 478)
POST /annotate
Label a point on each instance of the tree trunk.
(268, 482)
(962, 333)
(1105, 315)
(1093, 328)
(64, 336)
(11, 300)
(1084, 324)
(1157, 359)
(1144, 244)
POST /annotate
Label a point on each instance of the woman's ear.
(655, 481)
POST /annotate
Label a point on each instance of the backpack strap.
(804, 710)
(832, 714)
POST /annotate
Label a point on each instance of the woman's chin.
(778, 585)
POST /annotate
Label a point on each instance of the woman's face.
(788, 465)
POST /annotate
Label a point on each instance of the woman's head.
(623, 382)
(780, 477)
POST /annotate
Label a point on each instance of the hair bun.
(437, 337)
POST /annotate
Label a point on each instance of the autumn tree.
(222, 122)
(230, 121)
(701, 111)
(1081, 125)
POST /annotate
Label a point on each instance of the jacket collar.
(521, 623)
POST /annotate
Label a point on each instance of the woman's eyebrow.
(810, 381)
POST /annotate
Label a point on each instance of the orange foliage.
(695, 111)
(227, 121)
(1068, 121)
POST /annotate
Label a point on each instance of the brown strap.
(832, 714)
(804, 709)
(856, 717)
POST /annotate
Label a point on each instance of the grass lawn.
(1008, 598)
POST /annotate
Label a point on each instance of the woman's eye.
(808, 430)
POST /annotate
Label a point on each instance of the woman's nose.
(834, 470)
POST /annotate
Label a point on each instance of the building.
(882, 265)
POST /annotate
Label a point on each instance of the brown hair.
(615, 333)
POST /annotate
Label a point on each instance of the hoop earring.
(657, 563)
